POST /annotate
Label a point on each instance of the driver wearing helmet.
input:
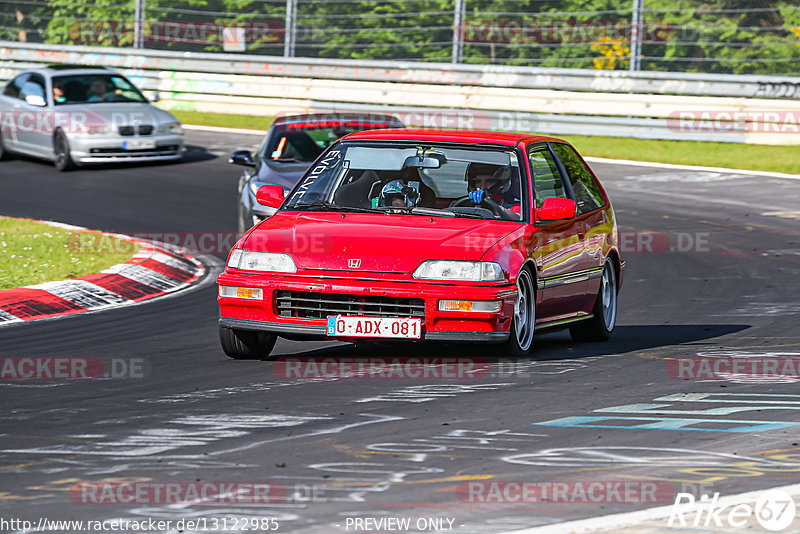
(397, 194)
(487, 184)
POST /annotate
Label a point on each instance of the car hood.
(284, 174)
(382, 243)
(119, 113)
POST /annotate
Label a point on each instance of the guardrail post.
(458, 28)
(637, 22)
(138, 23)
(290, 28)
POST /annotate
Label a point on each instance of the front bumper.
(85, 149)
(437, 325)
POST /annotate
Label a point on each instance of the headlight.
(459, 270)
(170, 128)
(91, 129)
(261, 261)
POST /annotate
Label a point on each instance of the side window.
(14, 86)
(587, 193)
(33, 87)
(546, 178)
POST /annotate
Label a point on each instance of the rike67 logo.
(774, 510)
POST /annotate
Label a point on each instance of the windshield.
(408, 178)
(305, 140)
(94, 88)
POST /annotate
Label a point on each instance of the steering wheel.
(465, 200)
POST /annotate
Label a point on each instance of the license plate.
(390, 327)
(139, 144)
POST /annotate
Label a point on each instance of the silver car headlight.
(477, 271)
(261, 261)
(93, 129)
(170, 128)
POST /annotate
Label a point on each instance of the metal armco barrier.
(556, 101)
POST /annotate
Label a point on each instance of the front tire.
(246, 344)
(523, 322)
(4, 153)
(63, 160)
(604, 319)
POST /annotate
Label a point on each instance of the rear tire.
(246, 344)
(604, 319)
(523, 322)
(63, 160)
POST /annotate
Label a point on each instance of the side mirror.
(35, 100)
(556, 209)
(270, 195)
(243, 158)
(155, 97)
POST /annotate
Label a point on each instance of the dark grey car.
(289, 147)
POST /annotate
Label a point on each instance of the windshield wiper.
(436, 212)
(319, 204)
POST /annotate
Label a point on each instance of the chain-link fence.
(726, 36)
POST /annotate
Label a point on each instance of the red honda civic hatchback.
(457, 236)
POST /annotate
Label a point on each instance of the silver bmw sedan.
(76, 115)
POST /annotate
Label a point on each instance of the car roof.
(64, 69)
(352, 115)
(451, 136)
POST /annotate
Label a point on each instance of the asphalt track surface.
(373, 448)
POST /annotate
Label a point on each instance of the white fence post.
(138, 23)
(290, 28)
(458, 30)
(637, 24)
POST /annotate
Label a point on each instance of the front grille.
(159, 150)
(307, 305)
(126, 130)
(145, 129)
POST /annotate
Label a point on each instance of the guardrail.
(559, 101)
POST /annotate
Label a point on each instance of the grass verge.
(225, 120)
(33, 252)
(730, 155)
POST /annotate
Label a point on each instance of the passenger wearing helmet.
(398, 194)
(487, 184)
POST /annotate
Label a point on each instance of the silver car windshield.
(94, 88)
(423, 180)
